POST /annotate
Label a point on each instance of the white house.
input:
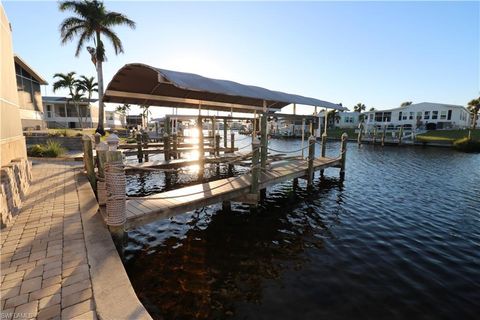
(425, 115)
(344, 119)
(60, 113)
(114, 119)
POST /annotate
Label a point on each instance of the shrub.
(51, 149)
(467, 145)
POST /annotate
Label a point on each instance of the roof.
(421, 104)
(29, 69)
(53, 99)
(138, 83)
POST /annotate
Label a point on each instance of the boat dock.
(168, 204)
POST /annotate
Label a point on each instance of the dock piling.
(384, 133)
(232, 142)
(400, 135)
(175, 146)
(217, 145)
(101, 149)
(374, 139)
(255, 169)
(311, 156)
(145, 144)
(139, 147)
(360, 133)
(343, 153)
(88, 161)
(116, 197)
(264, 142)
(166, 146)
(225, 127)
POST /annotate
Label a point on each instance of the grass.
(447, 135)
(337, 133)
(78, 133)
(52, 149)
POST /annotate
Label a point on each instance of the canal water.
(398, 238)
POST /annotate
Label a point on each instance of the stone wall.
(15, 180)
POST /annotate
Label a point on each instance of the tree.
(359, 107)
(145, 113)
(90, 22)
(372, 109)
(77, 97)
(332, 117)
(406, 104)
(65, 81)
(123, 109)
(474, 109)
(89, 86)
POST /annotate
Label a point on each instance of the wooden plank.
(170, 203)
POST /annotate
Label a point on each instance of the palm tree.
(77, 97)
(372, 109)
(474, 108)
(145, 113)
(359, 107)
(406, 104)
(65, 81)
(332, 117)
(91, 20)
(89, 86)
(123, 109)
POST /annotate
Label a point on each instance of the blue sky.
(378, 53)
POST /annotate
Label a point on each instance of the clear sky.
(377, 53)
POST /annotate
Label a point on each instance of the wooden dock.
(168, 204)
(179, 163)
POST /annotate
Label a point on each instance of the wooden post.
(139, 147)
(400, 135)
(374, 139)
(311, 157)
(145, 144)
(264, 142)
(116, 229)
(255, 169)
(201, 154)
(383, 135)
(232, 142)
(88, 160)
(175, 146)
(101, 149)
(217, 145)
(324, 144)
(166, 146)
(225, 127)
(360, 133)
(97, 136)
(343, 153)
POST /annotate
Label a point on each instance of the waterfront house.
(60, 112)
(425, 116)
(29, 95)
(343, 119)
(115, 119)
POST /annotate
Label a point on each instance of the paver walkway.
(44, 268)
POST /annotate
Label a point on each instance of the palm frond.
(114, 39)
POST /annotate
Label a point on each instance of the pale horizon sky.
(377, 53)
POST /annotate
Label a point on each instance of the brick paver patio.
(44, 268)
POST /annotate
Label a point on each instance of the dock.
(171, 203)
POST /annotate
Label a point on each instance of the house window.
(49, 111)
(378, 116)
(426, 116)
(411, 115)
(419, 115)
(449, 116)
(404, 117)
(443, 115)
(400, 116)
(370, 117)
(387, 116)
(434, 115)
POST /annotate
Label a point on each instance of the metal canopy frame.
(145, 85)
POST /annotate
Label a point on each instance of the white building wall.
(421, 115)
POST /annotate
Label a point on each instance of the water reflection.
(398, 238)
